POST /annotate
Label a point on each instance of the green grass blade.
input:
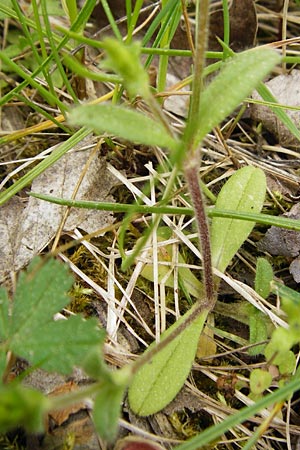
(264, 219)
(43, 165)
(213, 433)
(267, 95)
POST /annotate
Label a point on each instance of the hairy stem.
(191, 175)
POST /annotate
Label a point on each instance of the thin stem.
(192, 155)
(191, 175)
(202, 10)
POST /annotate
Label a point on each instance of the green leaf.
(34, 335)
(263, 277)
(125, 60)
(289, 363)
(4, 303)
(59, 346)
(123, 122)
(107, 409)
(21, 407)
(281, 342)
(260, 380)
(157, 383)
(41, 292)
(290, 301)
(233, 84)
(258, 330)
(243, 192)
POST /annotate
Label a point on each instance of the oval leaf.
(123, 122)
(260, 380)
(263, 277)
(244, 192)
(237, 80)
(158, 382)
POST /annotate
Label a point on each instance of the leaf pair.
(239, 77)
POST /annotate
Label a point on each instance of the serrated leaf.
(157, 383)
(233, 84)
(244, 192)
(260, 380)
(4, 318)
(107, 408)
(263, 277)
(122, 122)
(41, 292)
(59, 346)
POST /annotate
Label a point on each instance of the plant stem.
(191, 175)
(192, 159)
(202, 10)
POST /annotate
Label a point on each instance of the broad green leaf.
(260, 380)
(157, 383)
(107, 409)
(34, 335)
(123, 122)
(244, 192)
(41, 292)
(263, 277)
(21, 407)
(234, 83)
(4, 302)
(60, 345)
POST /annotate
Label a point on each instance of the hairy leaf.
(125, 60)
(60, 345)
(41, 292)
(34, 335)
(263, 277)
(238, 78)
(157, 383)
(258, 330)
(243, 192)
(123, 122)
(260, 380)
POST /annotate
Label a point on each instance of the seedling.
(158, 374)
